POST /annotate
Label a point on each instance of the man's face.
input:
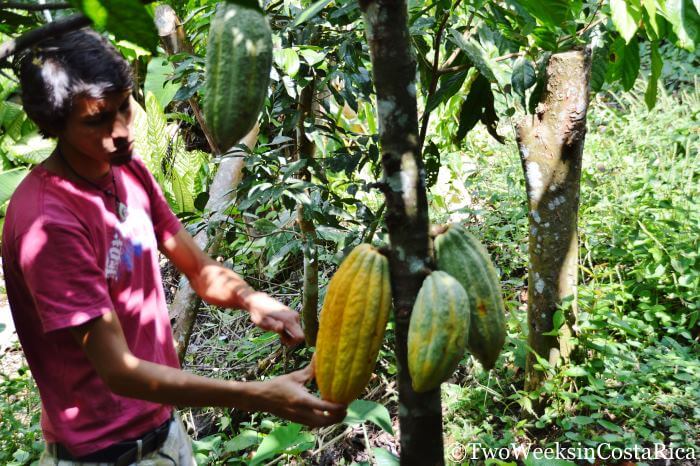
(101, 129)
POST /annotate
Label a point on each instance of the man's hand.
(269, 314)
(285, 396)
(220, 286)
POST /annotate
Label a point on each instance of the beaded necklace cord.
(119, 206)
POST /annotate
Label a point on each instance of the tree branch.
(435, 74)
(33, 6)
(54, 28)
(33, 37)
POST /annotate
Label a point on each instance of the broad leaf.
(475, 54)
(311, 11)
(183, 197)
(157, 82)
(384, 457)
(538, 461)
(624, 60)
(541, 78)
(626, 16)
(523, 77)
(9, 180)
(473, 106)
(279, 440)
(126, 19)
(656, 66)
(551, 13)
(245, 439)
(450, 84)
(431, 161)
(360, 411)
(288, 60)
(685, 19)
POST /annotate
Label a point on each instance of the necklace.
(119, 206)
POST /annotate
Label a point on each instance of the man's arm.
(103, 341)
(223, 287)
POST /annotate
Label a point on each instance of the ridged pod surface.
(352, 323)
(438, 331)
(460, 254)
(237, 75)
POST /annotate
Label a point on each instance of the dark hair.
(57, 69)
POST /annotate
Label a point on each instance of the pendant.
(122, 211)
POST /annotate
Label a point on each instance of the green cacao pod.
(238, 64)
(462, 255)
(438, 331)
(352, 323)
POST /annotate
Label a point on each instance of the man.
(83, 279)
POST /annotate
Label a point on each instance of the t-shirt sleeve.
(165, 223)
(61, 271)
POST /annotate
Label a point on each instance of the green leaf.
(551, 13)
(156, 82)
(384, 457)
(624, 60)
(183, 196)
(541, 78)
(610, 426)
(449, 85)
(626, 16)
(599, 58)
(475, 54)
(524, 77)
(311, 11)
(288, 60)
(32, 148)
(360, 411)
(652, 23)
(9, 180)
(656, 66)
(478, 106)
(685, 20)
(245, 439)
(278, 441)
(473, 106)
(532, 461)
(576, 371)
(126, 19)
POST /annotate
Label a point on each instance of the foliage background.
(638, 379)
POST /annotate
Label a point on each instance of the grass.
(639, 381)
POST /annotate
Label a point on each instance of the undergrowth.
(637, 379)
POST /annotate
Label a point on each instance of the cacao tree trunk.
(394, 70)
(305, 151)
(551, 148)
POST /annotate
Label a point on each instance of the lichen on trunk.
(551, 148)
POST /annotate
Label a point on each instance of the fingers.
(304, 376)
(319, 418)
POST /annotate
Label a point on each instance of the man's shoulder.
(37, 200)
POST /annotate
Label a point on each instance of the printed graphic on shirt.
(132, 237)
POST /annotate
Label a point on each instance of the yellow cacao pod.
(352, 323)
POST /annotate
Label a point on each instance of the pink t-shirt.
(69, 259)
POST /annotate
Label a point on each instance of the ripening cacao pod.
(352, 324)
(438, 331)
(460, 254)
(237, 75)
